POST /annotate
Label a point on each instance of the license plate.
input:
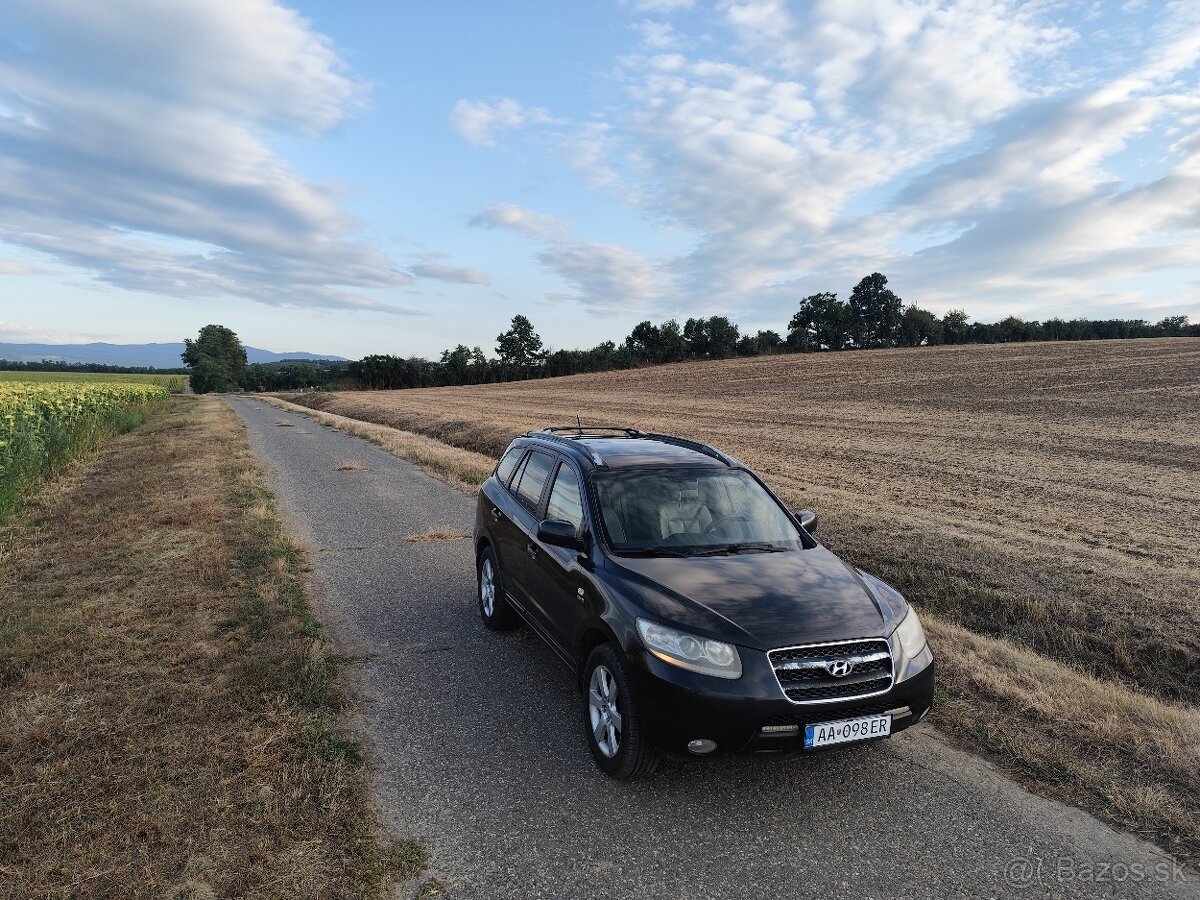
(862, 728)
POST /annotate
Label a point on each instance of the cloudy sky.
(400, 177)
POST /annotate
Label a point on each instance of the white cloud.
(511, 217)
(659, 6)
(832, 139)
(656, 35)
(133, 144)
(449, 273)
(760, 155)
(14, 267)
(478, 121)
(605, 278)
(590, 150)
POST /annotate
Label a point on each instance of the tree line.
(216, 360)
(872, 317)
(58, 365)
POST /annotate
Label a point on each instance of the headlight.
(911, 634)
(689, 651)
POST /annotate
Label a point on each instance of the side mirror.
(560, 534)
(807, 518)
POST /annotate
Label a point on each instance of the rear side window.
(533, 478)
(564, 504)
(508, 463)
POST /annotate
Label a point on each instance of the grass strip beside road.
(170, 724)
(1124, 755)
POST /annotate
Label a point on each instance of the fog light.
(701, 746)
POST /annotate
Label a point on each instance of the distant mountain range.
(157, 356)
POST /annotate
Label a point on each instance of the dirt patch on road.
(437, 534)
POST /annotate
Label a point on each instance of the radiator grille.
(824, 673)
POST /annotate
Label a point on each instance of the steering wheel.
(715, 523)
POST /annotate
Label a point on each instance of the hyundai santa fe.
(698, 613)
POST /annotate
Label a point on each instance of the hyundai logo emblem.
(839, 667)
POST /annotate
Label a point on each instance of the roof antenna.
(579, 424)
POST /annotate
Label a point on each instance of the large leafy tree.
(520, 346)
(919, 326)
(821, 323)
(456, 365)
(876, 312)
(722, 337)
(956, 328)
(714, 338)
(672, 341)
(645, 342)
(695, 336)
(217, 360)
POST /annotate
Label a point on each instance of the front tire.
(493, 607)
(611, 717)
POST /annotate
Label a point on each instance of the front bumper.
(678, 706)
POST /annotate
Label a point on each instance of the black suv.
(697, 612)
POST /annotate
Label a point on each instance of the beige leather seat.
(685, 514)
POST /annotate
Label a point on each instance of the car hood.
(761, 600)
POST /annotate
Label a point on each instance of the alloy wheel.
(604, 711)
(487, 587)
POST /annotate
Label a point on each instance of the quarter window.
(533, 478)
(508, 464)
(565, 504)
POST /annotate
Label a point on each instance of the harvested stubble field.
(1035, 497)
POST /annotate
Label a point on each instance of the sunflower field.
(45, 424)
(176, 384)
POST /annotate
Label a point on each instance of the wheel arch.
(483, 542)
(595, 634)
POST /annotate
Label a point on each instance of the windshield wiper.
(658, 551)
(761, 547)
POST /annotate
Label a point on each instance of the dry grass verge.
(168, 712)
(1127, 757)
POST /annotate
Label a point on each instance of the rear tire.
(611, 717)
(493, 607)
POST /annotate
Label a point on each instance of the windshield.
(688, 511)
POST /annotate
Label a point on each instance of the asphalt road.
(480, 752)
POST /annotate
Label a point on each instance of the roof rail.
(690, 445)
(581, 430)
(569, 434)
(551, 434)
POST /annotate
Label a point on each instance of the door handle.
(496, 514)
(532, 551)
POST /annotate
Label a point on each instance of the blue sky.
(399, 178)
